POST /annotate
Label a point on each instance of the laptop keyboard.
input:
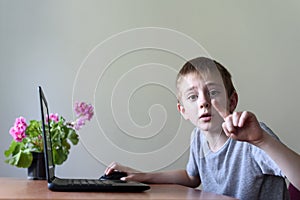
(83, 182)
(58, 184)
(88, 182)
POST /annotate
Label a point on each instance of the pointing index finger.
(221, 110)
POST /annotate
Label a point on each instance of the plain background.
(45, 42)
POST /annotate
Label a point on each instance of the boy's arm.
(169, 177)
(244, 126)
(173, 177)
(287, 160)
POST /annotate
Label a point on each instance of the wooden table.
(13, 188)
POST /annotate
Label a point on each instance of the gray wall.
(98, 51)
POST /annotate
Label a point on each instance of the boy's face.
(196, 95)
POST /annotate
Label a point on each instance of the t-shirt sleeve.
(265, 162)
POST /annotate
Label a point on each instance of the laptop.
(76, 185)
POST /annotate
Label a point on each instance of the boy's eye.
(193, 97)
(213, 93)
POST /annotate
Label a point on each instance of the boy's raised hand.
(242, 126)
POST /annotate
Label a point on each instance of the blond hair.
(203, 66)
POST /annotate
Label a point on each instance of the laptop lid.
(50, 167)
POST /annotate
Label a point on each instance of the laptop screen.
(46, 136)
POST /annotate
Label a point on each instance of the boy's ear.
(181, 109)
(233, 102)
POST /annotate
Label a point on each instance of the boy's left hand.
(242, 126)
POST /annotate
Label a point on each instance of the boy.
(231, 153)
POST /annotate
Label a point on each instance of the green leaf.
(25, 159)
(59, 156)
(73, 137)
(34, 129)
(11, 149)
(21, 159)
(65, 145)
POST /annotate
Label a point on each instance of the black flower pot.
(37, 170)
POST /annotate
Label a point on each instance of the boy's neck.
(215, 140)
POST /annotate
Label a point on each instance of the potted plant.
(27, 138)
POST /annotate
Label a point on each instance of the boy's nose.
(204, 100)
(204, 105)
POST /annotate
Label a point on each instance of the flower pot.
(37, 170)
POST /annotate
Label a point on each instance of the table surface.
(14, 188)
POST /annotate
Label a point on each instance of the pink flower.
(79, 123)
(16, 134)
(20, 124)
(84, 110)
(54, 117)
(18, 130)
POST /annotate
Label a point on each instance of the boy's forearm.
(287, 160)
(172, 177)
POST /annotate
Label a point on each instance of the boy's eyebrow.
(190, 89)
(213, 84)
(207, 84)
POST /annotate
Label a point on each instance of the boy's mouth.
(205, 117)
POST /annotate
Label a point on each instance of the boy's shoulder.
(268, 130)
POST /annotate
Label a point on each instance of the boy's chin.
(208, 127)
(205, 127)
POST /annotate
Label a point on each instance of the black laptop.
(76, 185)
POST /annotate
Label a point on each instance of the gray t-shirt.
(238, 169)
